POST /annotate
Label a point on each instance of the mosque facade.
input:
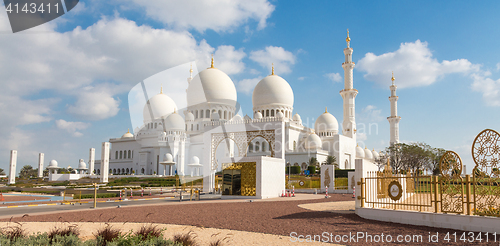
(186, 143)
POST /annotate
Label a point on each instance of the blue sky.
(65, 83)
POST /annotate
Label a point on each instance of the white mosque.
(195, 142)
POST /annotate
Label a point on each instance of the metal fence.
(449, 192)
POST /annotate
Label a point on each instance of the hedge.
(342, 173)
(293, 170)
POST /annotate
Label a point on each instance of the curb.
(75, 202)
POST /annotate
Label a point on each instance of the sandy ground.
(204, 236)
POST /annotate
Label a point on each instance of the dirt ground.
(282, 217)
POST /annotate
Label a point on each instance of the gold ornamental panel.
(486, 174)
(451, 185)
(248, 176)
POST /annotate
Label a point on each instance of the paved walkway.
(342, 207)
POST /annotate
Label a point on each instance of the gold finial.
(128, 130)
(348, 39)
(191, 69)
(161, 89)
(326, 110)
(175, 110)
(212, 66)
(393, 77)
(272, 72)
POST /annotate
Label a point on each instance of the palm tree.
(313, 162)
(331, 160)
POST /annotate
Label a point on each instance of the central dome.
(213, 86)
(161, 107)
(272, 90)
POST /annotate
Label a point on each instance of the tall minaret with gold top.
(349, 93)
(394, 118)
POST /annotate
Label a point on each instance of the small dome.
(375, 154)
(128, 135)
(161, 106)
(368, 154)
(360, 153)
(168, 158)
(53, 163)
(174, 122)
(326, 122)
(237, 117)
(189, 116)
(196, 160)
(215, 116)
(296, 117)
(213, 86)
(280, 115)
(257, 115)
(313, 141)
(82, 164)
(272, 90)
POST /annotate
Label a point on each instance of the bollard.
(353, 192)
(150, 191)
(283, 193)
(326, 191)
(142, 192)
(120, 195)
(293, 191)
(161, 190)
(131, 195)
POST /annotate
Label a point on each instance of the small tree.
(27, 172)
(331, 160)
(313, 162)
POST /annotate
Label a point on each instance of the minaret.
(394, 118)
(190, 74)
(348, 93)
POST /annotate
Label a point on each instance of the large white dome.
(326, 123)
(174, 122)
(368, 154)
(211, 85)
(161, 106)
(272, 90)
(360, 153)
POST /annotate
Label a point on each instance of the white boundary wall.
(450, 221)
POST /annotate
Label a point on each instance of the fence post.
(468, 193)
(435, 181)
(362, 192)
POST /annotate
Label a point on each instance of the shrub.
(148, 231)
(312, 169)
(63, 232)
(186, 239)
(14, 232)
(342, 173)
(99, 195)
(105, 235)
(293, 170)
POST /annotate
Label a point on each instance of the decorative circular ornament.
(395, 190)
(450, 164)
(486, 150)
(302, 183)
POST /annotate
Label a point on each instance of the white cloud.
(413, 66)
(218, 15)
(370, 114)
(301, 78)
(72, 127)
(247, 85)
(281, 58)
(489, 88)
(498, 66)
(335, 77)
(95, 105)
(228, 59)
(361, 136)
